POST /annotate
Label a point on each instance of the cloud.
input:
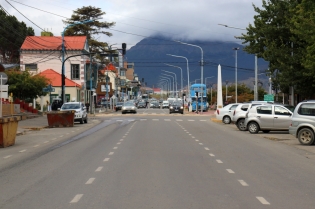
(136, 19)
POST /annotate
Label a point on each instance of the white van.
(165, 104)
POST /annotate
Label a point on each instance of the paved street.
(154, 161)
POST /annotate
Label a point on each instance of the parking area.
(277, 136)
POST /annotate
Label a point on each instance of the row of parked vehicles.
(263, 116)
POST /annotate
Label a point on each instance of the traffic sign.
(48, 89)
(269, 97)
(3, 77)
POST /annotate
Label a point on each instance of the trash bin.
(8, 129)
(60, 119)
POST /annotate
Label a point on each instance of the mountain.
(150, 54)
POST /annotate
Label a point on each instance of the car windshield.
(177, 103)
(70, 106)
(129, 104)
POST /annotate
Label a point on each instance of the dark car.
(141, 105)
(118, 106)
(176, 107)
(155, 105)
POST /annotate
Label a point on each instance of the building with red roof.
(39, 53)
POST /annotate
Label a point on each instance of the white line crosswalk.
(164, 119)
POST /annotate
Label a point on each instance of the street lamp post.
(106, 97)
(169, 81)
(181, 76)
(63, 77)
(175, 80)
(164, 81)
(188, 86)
(226, 83)
(236, 48)
(211, 93)
(206, 79)
(201, 71)
(256, 68)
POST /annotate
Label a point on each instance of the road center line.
(76, 198)
(90, 181)
(106, 159)
(212, 155)
(111, 153)
(201, 143)
(191, 120)
(7, 156)
(243, 183)
(23, 150)
(219, 161)
(115, 147)
(119, 143)
(99, 169)
(36, 145)
(206, 148)
(230, 171)
(263, 201)
(121, 140)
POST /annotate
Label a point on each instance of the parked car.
(226, 113)
(267, 118)
(303, 122)
(165, 104)
(79, 108)
(118, 106)
(129, 107)
(154, 104)
(177, 107)
(240, 113)
(141, 105)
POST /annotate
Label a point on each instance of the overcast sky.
(137, 19)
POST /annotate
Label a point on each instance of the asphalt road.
(154, 160)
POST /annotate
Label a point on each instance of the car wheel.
(306, 136)
(81, 120)
(253, 127)
(266, 131)
(86, 119)
(226, 120)
(241, 125)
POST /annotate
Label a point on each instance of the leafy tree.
(89, 29)
(13, 34)
(271, 38)
(26, 86)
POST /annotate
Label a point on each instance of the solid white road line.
(263, 201)
(111, 153)
(7, 156)
(106, 159)
(230, 171)
(219, 161)
(243, 183)
(76, 198)
(90, 181)
(23, 150)
(99, 169)
(212, 155)
(206, 148)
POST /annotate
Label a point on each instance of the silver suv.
(267, 118)
(303, 122)
(240, 114)
(80, 111)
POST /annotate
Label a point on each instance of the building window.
(75, 72)
(129, 66)
(122, 73)
(122, 82)
(31, 67)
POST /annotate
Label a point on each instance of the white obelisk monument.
(219, 89)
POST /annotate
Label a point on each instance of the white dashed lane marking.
(90, 181)
(167, 119)
(99, 169)
(212, 155)
(76, 198)
(243, 183)
(119, 143)
(115, 147)
(36, 145)
(230, 171)
(143, 119)
(46, 142)
(219, 161)
(263, 201)
(201, 143)
(203, 120)
(206, 148)
(155, 119)
(7, 156)
(111, 153)
(106, 159)
(121, 140)
(191, 120)
(22, 150)
(178, 120)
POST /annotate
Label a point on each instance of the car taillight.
(218, 112)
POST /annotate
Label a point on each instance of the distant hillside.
(149, 56)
